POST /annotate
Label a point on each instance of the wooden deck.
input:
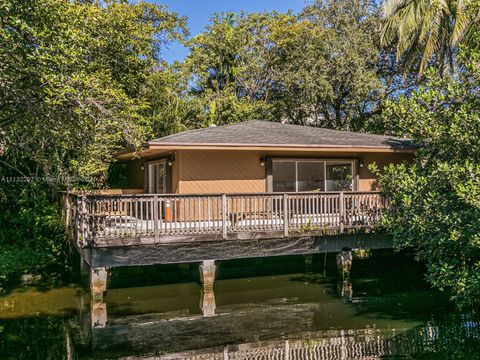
(145, 219)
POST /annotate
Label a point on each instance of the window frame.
(352, 161)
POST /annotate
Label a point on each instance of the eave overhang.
(152, 148)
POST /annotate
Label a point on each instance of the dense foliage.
(40, 337)
(80, 80)
(322, 67)
(430, 30)
(72, 92)
(436, 202)
(72, 80)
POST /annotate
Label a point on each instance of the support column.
(98, 312)
(344, 261)
(98, 283)
(207, 273)
(98, 286)
(207, 276)
(345, 289)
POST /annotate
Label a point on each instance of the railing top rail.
(270, 194)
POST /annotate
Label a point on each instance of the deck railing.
(102, 220)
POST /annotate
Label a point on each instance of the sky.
(198, 13)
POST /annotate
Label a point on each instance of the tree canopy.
(423, 31)
(73, 79)
(322, 67)
(436, 201)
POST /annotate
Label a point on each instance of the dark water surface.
(271, 308)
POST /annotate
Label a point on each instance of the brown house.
(250, 189)
(262, 157)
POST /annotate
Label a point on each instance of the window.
(339, 177)
(312, 175)
(157, 177)
(283, 176)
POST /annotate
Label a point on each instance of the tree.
(229, 66)
(327, 64)
(72, 80)
(172, 108)
(429, 28)
(71, 75)
(323, 67)
(436, 202)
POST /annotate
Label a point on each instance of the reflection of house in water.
(280, 317)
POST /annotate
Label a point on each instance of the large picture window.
(312, 175)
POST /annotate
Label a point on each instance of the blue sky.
(199, 11)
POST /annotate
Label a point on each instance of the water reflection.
(297, 315)
(207, 302)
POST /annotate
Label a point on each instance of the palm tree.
(429, 28)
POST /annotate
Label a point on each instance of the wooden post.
(345, 289)
(98, 283)
(98, 311)
(224, 216)
(76, 219)
(344, 261)
(342, 211)
(207, 273)
(84, 223)
(155, 217)
(66, 209)
(286, 219)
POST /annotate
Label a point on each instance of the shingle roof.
(271, 134)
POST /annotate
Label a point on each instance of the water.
(271, 308)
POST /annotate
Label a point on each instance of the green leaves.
(430, 28)
(436, 202)
(72, 93)
(322, 67)
(72, 78)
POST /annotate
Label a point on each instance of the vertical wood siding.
(221, 172)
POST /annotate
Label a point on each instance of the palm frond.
(433, 41)
(390, 7)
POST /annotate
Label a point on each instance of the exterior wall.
(135, 174)
(208, 171)
(367, 180)
(175, 175)
(221, 172)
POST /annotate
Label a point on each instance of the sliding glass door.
(339, 176)
(312, 175)
(284, 176)
(157, 177)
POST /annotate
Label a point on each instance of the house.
(244, 190)
(254, 180)
(262, 157)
